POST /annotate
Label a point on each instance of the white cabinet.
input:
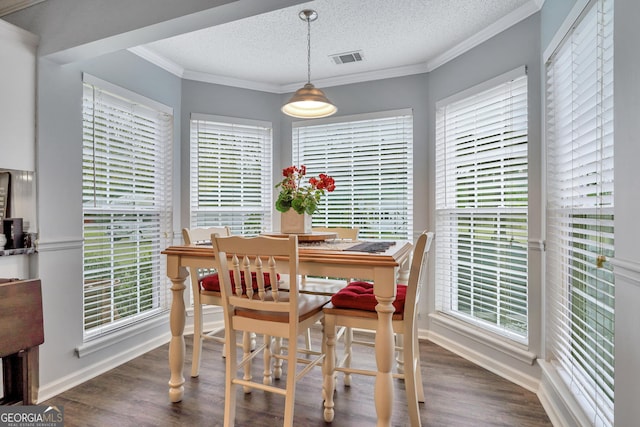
(17, 97)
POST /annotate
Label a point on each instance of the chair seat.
(360, 296)
(308, 306)
(211, 282)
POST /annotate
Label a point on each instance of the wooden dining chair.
(206, 291)
(274, 313)
(323, 285)
(329, 286)
(342, 233)
(354, 307)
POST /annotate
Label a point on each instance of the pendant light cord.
(308, 50)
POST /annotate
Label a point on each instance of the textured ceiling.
(397, 37)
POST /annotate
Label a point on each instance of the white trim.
(557, 400)
(367, 76)
(232, 81)
(505, 371)
(485, 85)
(231, 120)
(158, 60)
(630, 270)
(126, 93)
(354, 117)
(529, 8)
(536, 245)
(503, 345)
(59, 245)
(488, 32)
(78, 377)
(564, 30)
(131, 330)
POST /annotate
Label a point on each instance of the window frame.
(132, 132)
(256, 138)
(504, 275)
(580, 287)
(359, 140)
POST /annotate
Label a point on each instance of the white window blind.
(126, 201)
(371, 159)
(481, 205)
(580, 225)
(231, 173)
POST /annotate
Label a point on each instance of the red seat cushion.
(359, 295)
(211, 282)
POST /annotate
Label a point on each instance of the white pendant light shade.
(309, 102)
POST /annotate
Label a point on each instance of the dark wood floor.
(458, 393)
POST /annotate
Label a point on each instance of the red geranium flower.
(302, 198)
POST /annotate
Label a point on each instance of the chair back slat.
(203, 234)
(275, 315)
(416, 273)
(246, 257)
(273, 278)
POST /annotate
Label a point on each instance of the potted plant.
(298, 200)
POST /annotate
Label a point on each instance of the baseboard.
(517, 377)
(557, 401)
(54, 388)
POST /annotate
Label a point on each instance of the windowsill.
(101, 343)
(513, 349)
(18, 251)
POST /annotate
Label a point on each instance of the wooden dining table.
(331, 259)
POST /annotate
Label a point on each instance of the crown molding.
(387, 73)
(485, 34)
(158, 60)
(231, 81)
(523, 12)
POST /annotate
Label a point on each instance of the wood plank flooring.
(458, 393)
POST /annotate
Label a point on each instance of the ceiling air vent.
(345, 58)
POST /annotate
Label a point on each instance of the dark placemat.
(371, 247)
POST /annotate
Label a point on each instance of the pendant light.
(308, 101)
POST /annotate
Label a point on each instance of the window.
(371, 159)
(231, 173)
(481, 205)
(580, 222)
(126, 205)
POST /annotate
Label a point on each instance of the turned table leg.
(177, 318)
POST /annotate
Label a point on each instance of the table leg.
(383, 393)
(177, 318)
(328, 366)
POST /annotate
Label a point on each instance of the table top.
(314, 236)
(317, 252)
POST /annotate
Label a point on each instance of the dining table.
(383, 262)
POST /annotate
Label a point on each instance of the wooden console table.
(21, 332)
